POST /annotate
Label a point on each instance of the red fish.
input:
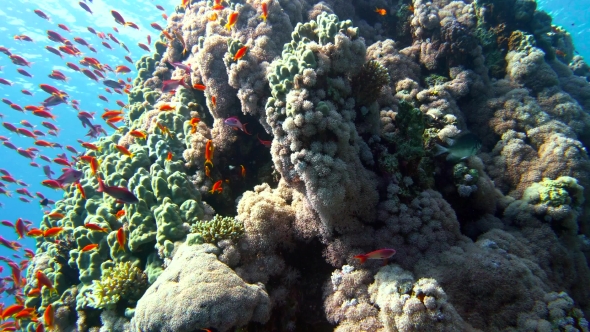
(377, 254)
(122, 69)
(89, 74)
(26, 92)
(53, 184)
(122, 194)
(54, 51)
(264, 11)
(121, 239)
(217, 187)
(41, 14)
(23, 72)
(5, 81)
(144, 47)
(209, 149)
(53, 231)
(56, 37)
(231, 20)
(81, 41)
(85, 7)
(118, 17)
(19, 60)
(156, 26)
(89, 247)
(95, 227)
(63, 27)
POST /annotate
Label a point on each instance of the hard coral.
(219, 228)
(123, 281)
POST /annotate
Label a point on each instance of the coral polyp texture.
(312, 133)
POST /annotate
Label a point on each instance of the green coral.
(564, 190)
(219, 228)
(121, 281)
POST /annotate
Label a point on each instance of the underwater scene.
(294, 165)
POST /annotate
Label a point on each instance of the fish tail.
(100, 185)
(440, 150)
(244, 129)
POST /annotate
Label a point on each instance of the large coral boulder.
(198, 291)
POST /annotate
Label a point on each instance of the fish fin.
(244, 130)
(450, 141)
(440, 150)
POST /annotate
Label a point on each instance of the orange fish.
(115, 119)
(380, 11)
(138, 134)
(209, 153)
(34, 292)
(122, 69)
(212, 17)
(119, 214)
(214, 101)
(121, 239)
(35, 232)
(48, 318)
(240, 53)
(231, 20)
(53, 231)
(124, 151)
(167, 107)
(43, 280)
(169, 156)
(90, 247)
(95, 227)
(185, 3)
(110, 114)
(199, 87)
(55, 215)
(264, 11)
(217, 187)
(207, 171)
(193, 123)
(377, 254)
(81, 189)
(12, 310)
(164, 129)
(218, 7)
(243, 171)
(90, 146)
(560, 53)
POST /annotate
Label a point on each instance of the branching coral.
(219, 228)
(123, 281)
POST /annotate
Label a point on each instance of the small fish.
(264, 11)
(89, 247)
(240, 53)
(90, 146)
(199, 87)
(217, 187)
(85, 7)
(231, 20)
(124, 150)
(81, 189)
(138, 134)
(53, 231)
(214, 101)
(243, 171)
(193, 123)
(95, 227)
(144, 47)
(53, 184)
(380, 11)
(461, 148)
(186, 68)
(41, 14)
(377, 254)
(170, 85)
(43, 280)
(49, 315)
(120, 214)
(169, 156)
(207, 171)
(121, 239)
(63, 27)
(235, 123)
(121, 194)
(209, 148)
(122, 69)
(118, 17)
(167, 107)
(156, 26)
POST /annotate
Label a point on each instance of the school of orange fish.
(99, 72)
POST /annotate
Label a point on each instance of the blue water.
(17, 17)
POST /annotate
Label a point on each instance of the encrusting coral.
(352, 102)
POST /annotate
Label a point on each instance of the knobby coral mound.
(308, 136)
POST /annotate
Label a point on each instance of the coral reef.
(231, 235)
